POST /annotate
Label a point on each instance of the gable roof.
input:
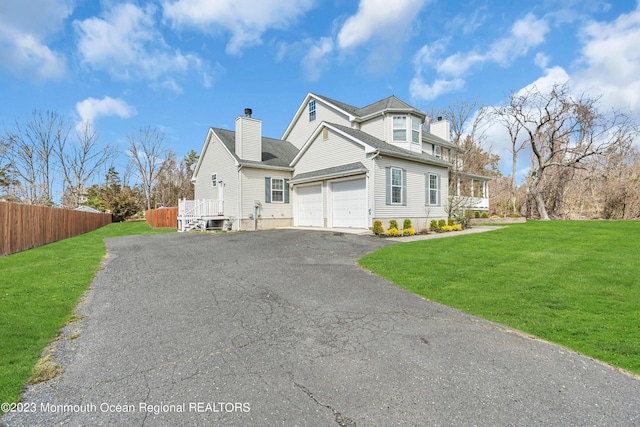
(357, 114)
(389, 149)
(275, 152)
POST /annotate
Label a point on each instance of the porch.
(472, 191)
(200, 214)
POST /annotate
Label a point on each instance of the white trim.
(272, 190)
(391, 185)
(210, 134)
(304, 105)
(367, 148)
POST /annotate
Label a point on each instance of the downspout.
(239, 195)
(372, 192)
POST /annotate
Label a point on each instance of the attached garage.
(309, 206)
(349, 203)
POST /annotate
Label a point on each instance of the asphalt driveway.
(284, 328)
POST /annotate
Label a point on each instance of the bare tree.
(562, 132)
(31, 152)
(505, 117)
(80, 161)
(147, 150)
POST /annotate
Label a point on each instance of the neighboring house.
(335, 166)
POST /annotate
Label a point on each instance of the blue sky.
(186, 65)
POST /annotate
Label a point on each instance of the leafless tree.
(147, 150)
(31, 151)
(563, 131)
(505, 118)
(80, 161)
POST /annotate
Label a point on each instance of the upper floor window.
(436, 151)
(399, 128)
(214, 179)
(312, 110)
(415, 130)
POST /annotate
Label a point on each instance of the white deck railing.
(478, 203)
(191, 211)
(200, 208)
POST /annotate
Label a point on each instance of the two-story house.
(336, 165)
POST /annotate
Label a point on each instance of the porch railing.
(193, 212)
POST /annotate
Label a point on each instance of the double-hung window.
(276, 190)
(396, 186)
(312, 110)
(415, 130)
(433, 189)
(399, 128)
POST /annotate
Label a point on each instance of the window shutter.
(404, 187)
(388, 184)
(267, 189)
(286, 191)
(426, 189)
(439, 191)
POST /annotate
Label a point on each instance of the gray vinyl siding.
(253, 188)
(415, 190)
(335, 151)
(374, 127)
(216, 159)
(303, 128)
(249, 139)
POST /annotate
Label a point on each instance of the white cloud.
(245, 22)
(610, 61)
(525, 34)
(378, 18)
(23, 35)
(428, 92)
(126, 43)
(541, 60)
(316, 58)
(90, 109)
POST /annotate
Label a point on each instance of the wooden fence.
(162, 218)
(26, 226)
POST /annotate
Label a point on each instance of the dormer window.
(415, 130)
(312, 110)
(399, 128)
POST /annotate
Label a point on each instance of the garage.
(349, 203)
(309, 206)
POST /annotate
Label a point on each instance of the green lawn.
(39, 290)
(575, 283)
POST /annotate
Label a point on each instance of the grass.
(39, 290)
(574, 283)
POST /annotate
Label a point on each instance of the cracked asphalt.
(284, 328)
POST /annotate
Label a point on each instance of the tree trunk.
(539, 199)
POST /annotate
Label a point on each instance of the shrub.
(393, 232)
(377, 227)
(393, 224)
(441, 223)
(454, 227)
(451, 221)
(516, 215)
(407, 224)
(433, 226)
(477, 214)
(409, 231)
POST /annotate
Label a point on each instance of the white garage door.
(349, 203)
(309, 206)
